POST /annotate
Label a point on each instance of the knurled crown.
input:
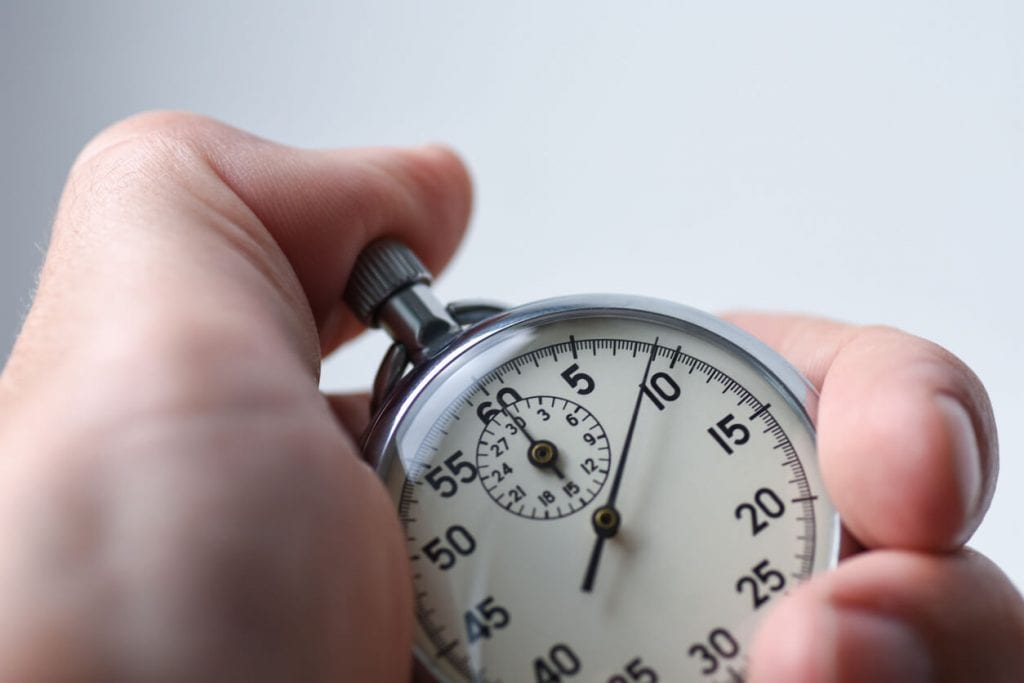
(383, 268)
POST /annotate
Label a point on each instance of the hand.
(908, 452)
(178, 501)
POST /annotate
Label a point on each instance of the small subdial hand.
(606, 519)
(547, 477)
(543, 454)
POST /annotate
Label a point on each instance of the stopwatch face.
(601, 492)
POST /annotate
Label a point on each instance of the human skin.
(179, 501)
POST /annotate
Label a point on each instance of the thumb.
(896, 616)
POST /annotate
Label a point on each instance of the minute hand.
(606, 519)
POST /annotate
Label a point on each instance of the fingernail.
(963, 451)
(878, 648)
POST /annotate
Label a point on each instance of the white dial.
(656, 490)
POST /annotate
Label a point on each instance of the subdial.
(543, 457)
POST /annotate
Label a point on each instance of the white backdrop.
(863, 160)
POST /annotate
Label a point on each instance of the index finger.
(191, 224)
(906, 437)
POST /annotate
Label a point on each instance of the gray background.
(863, 160)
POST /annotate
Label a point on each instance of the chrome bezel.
(379, 443)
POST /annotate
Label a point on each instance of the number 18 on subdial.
(617, 500)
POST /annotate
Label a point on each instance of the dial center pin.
(543, 453)
(606, 521)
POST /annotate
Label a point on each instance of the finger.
(906, 436)
(896, 616)
(172, 216)
(322, 206)
(352, 411)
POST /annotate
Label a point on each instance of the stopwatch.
(592, 488)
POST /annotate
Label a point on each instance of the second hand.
(606, 519)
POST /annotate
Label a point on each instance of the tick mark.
(448, 647)
(805, 499)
